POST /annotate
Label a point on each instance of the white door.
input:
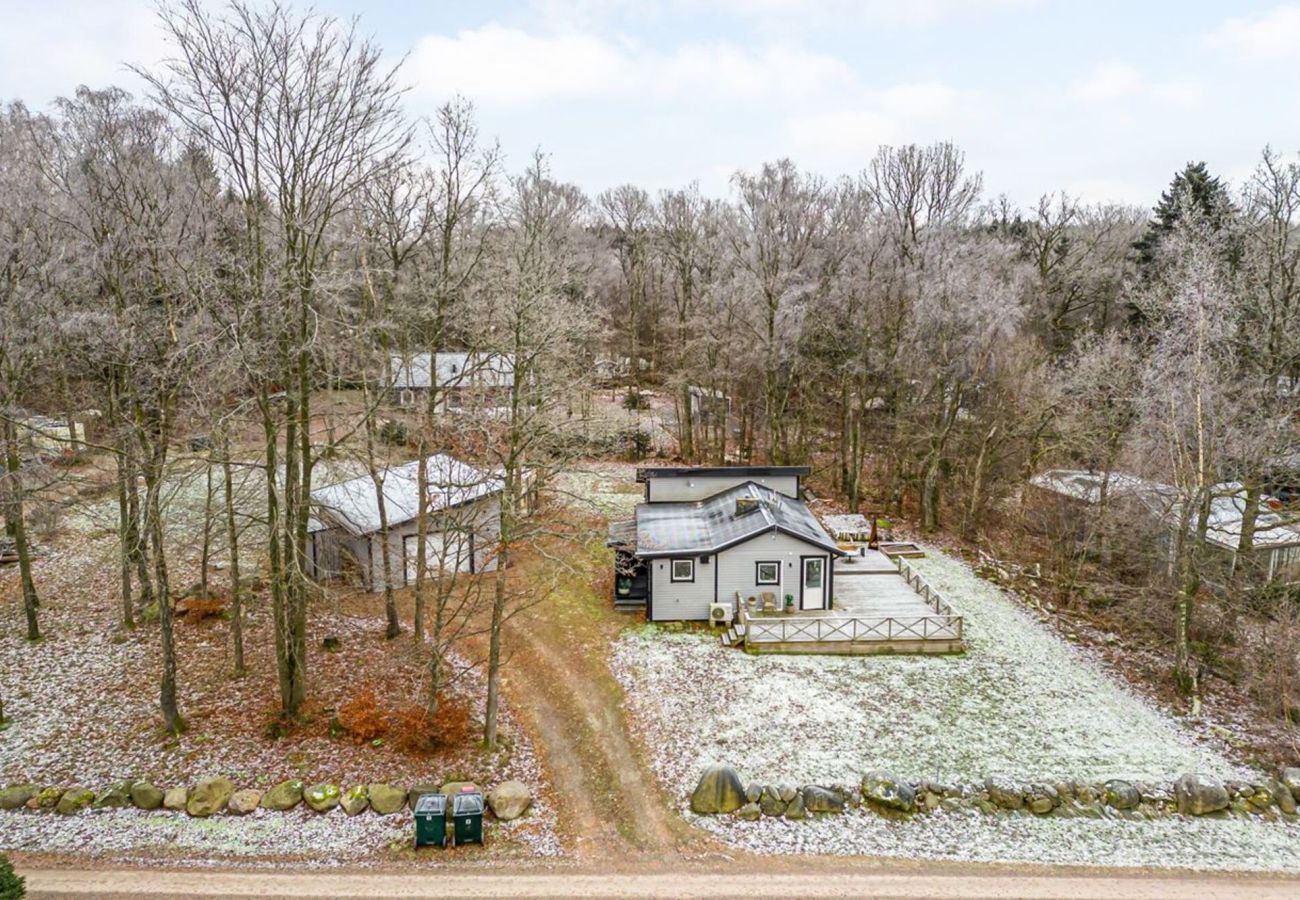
(813, 590)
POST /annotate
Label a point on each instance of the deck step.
(731, 637)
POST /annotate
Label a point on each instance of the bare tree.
(299, 114)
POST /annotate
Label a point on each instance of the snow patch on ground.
(1177, 843)
(1021, 702)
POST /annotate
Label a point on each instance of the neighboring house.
(49, 436)
(464, 509)
(1275, 544)
(706, 535)
(463, 379)
(708, 407)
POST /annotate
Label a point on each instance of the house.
(463, 506)
(1275, 543)
(464, 379)
(705, 535)
(708, 406)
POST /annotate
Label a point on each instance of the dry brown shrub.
(362, 716)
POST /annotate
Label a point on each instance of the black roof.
(642, 475)
(724, 520)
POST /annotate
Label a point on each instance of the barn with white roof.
(463, 506)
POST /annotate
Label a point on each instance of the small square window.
(768, 572)
(683, 570)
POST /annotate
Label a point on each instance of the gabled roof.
(642, 475)
(454, 369)
(1273, 528)
(718, 522)
(353, 505)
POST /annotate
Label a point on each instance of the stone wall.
(721, 791)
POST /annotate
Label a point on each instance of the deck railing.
(922, 587)
(944, 625)
(850, 629)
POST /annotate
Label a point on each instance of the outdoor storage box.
(431, 821)
(467, 817)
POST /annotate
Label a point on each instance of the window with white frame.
(683, 570)
(767, 572)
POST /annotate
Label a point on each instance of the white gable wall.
(698, 487)
(736, 572)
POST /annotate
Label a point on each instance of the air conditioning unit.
(720, 613)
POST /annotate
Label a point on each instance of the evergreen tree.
(12, 885)
(1194, 186)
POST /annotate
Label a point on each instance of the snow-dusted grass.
(1020, 702)
(301, 835)
(1175, 843)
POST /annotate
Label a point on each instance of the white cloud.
(1271, 35)
(1114, 82)
(50, 48)
(779, 14)
(1106, 83)
(509, 67)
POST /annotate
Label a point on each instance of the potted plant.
(789, 603)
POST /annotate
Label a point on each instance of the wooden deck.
(881, 606)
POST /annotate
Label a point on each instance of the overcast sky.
(1104, 99)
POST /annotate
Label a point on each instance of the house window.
(768, 572)
(683, 570)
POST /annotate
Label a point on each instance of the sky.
(1102, 99)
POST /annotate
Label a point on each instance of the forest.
(207, 264)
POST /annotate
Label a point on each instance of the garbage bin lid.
(466, 804)
(431, 804)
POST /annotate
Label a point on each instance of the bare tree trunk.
(394, 625)
(16, 527)
(232, 538)
(153, 502)
(205, 552)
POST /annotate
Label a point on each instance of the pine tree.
(12, 885)
(1193, 186)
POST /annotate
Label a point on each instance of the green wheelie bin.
(431, 821)
(467, 817)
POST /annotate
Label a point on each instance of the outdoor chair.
(769, 601)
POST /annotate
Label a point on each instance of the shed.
(463, 506)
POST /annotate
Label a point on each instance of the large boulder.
(510, 800)
(770, 802)
(74, 800)
(1290, 779)
(1005, 792)
(322, 797)
(355, 799)
(145, 796)
(452, 788)
(48, 798)
(243, 802)
(1121, 795)
(209, 797)
(284, 796)
(176, 798)
(17, 795)
(117, 796)
(822, 800)
(419, 790)
(719, 791)
(386, 799)
(1283, 797)
(886, 790)
(1198, 795)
